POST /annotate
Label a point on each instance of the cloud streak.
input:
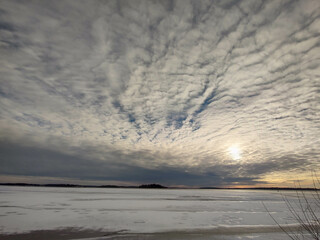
(163, 88)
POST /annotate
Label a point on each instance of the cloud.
(163, 87)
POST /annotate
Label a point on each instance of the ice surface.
(229, 214)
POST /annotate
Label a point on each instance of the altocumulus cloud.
(145, 91)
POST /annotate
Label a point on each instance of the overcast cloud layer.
(157, 91)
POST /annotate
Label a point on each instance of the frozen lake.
(146, 213)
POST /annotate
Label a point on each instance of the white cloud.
(174, 84)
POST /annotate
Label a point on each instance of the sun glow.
(234, 152)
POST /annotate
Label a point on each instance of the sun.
(234, 152)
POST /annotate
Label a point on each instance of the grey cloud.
(108, 163)
(27, 161)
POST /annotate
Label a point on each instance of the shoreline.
(67, 233)
(158, 188)
(73, 233)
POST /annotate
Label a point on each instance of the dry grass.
(304, 212)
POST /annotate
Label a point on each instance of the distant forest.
(149, 186)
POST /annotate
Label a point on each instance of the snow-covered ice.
(225, 214)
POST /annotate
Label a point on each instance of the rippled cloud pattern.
(158, 91)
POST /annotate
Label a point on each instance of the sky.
(181, 93)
